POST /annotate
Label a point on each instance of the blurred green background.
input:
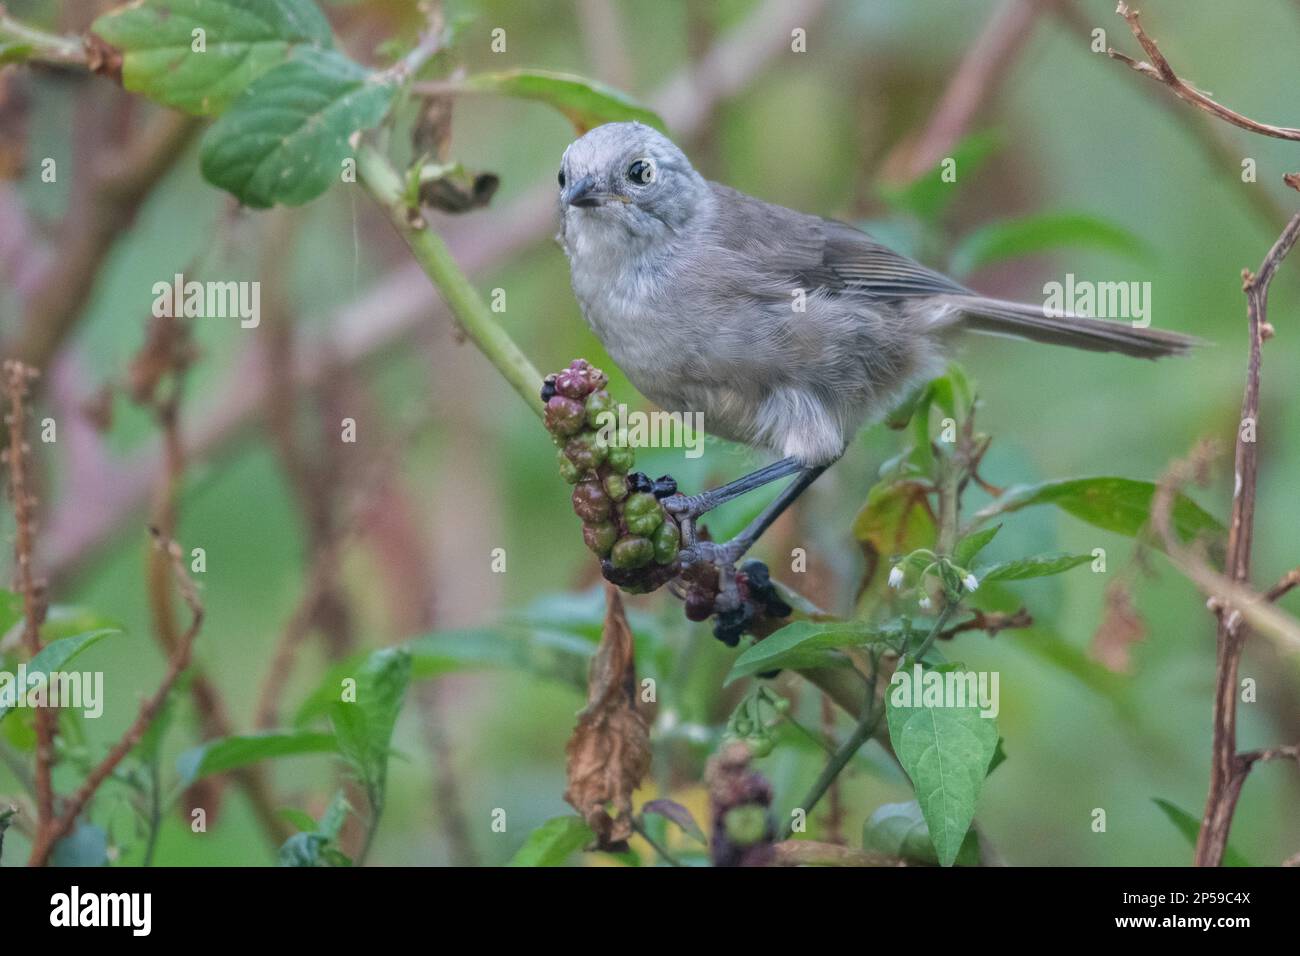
(1073, 132)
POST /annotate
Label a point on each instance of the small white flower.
(924, 603)
(896, 577)
(970, 582)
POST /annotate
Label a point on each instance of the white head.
(630, 177)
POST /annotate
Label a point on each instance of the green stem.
(48, 47)
(861, 734)
(867, 723)
(386, 186)
(908, 657)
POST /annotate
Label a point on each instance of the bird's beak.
(583, 194)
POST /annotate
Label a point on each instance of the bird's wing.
(867, 267)
(821, 254)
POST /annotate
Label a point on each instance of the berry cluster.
(753, 603)
(740, 799)
(623, 521)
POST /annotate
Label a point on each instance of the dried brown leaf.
(609, 752)
(1121, 627)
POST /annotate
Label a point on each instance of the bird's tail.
(997, 317)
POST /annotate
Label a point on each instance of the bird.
(788, 331)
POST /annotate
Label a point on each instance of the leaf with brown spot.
(609, 751)
(896, 519)
(1121, 627)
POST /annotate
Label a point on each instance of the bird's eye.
(642, 172)
(561, 178)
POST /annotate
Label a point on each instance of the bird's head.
(629, 175)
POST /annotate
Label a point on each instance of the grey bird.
(787, 331)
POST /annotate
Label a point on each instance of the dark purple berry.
(699, 605)
(665, 486)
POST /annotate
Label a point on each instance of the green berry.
(746, 824)
(642, 514)
(620, 455)
(632, 552)
(600, 409)
(616, 486)
(667, 539)
(761, 746)
(600, 537)
(565, 416)
(586, 451)
(783, 706)
(568, 470)
(590, 503)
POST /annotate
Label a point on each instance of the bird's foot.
(722, 555)
(689, 507)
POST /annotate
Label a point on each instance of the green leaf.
(364, 726)
(899, 830)
(999, 757)
(243, 40)
(895, 520)
(798, 645)
(1190, 827)
(1122, 505)
(584, 102)
(286, 136)
(229, 753)
(971, 545)
(553, 842)
(54, 657)
(928, 196)
(953, 392)
(1036, 566)
(1020, 237)
(946, 751)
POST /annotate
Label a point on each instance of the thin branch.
(1228, 773)
(1289, 580)
(1160, 71)
(17, 379)
(385, 185)
(44, 843)
(991, 622)
(977, 79)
